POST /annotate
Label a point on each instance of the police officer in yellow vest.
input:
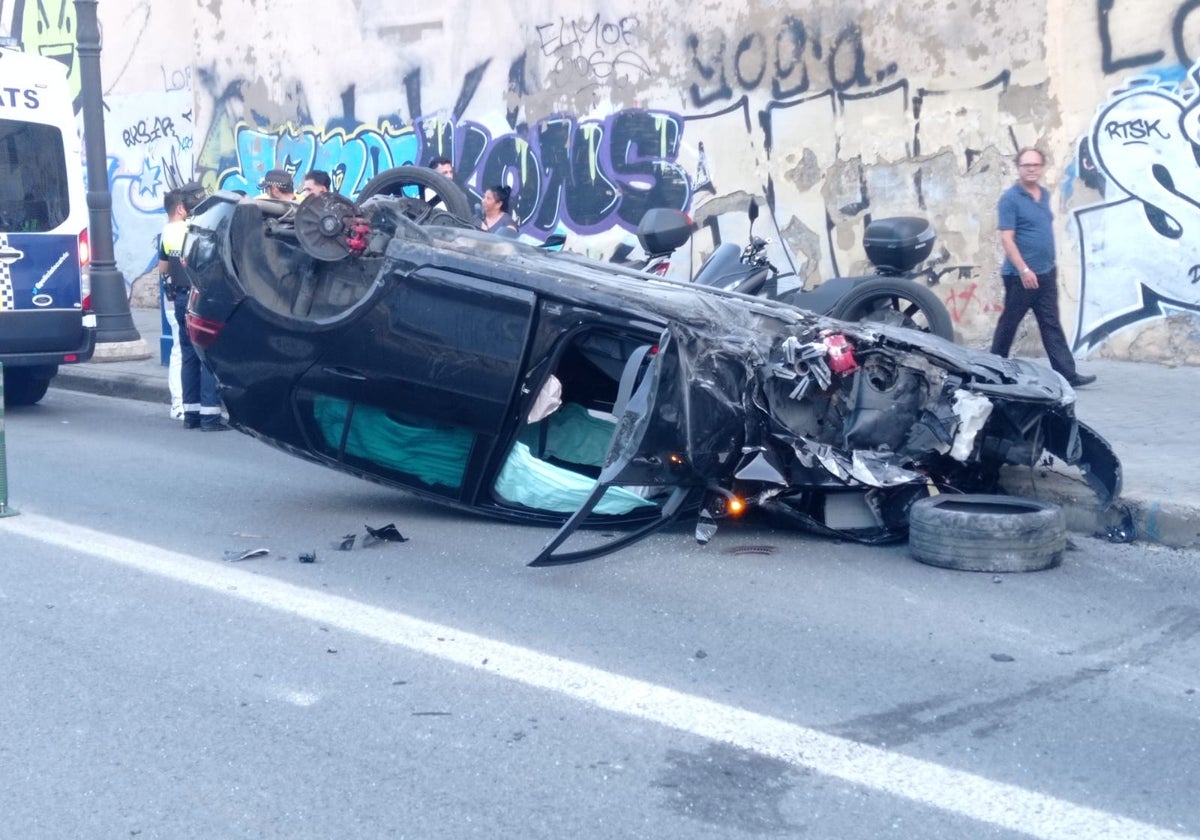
(201, 405)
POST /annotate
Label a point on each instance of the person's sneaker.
(191, 420)
(1080, 379)
(215, 427)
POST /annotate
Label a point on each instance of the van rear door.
(43, 221)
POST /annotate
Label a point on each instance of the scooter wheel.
(898, 302)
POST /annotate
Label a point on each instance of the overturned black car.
(392, 340)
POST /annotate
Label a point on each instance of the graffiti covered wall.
(828, 116)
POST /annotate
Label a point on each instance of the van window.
(33, 178)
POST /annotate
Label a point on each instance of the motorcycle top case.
(899, 243)
(662, 230)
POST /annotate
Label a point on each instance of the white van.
(44, 309)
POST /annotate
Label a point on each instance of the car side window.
(406, 449)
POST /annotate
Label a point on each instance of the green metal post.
(5, 510)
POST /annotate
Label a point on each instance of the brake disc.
(322, 223)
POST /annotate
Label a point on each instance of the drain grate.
(752, 549)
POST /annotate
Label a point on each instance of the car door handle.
(346, 373)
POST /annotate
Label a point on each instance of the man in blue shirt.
(1029, 272)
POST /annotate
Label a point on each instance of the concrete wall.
(828, 115)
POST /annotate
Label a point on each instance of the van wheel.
(987, 533)
(899, 302)
(23, 387)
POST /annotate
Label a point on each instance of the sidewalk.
(1143, 410)
(145, 379)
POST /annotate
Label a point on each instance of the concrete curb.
(1149, 520)
(130, 386)
(121, 351)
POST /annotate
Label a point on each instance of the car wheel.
(24, 388)
(901, 303)
(986, 533)
(431, 188)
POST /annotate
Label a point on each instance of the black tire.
(21, 387)
(985, 533)
(432, 188)
(899, 302)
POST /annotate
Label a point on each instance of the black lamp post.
(110, 301)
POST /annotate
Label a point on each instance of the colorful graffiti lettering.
(585, 176)
(47, 27)
(792, 57)
(1141, 156)
(153, 156)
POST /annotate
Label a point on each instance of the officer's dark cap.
(277, 178)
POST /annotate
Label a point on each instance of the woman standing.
(495, 209)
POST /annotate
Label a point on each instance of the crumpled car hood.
(791, 413)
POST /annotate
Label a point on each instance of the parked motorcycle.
(891, 295)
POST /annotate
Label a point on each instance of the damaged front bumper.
(833, 428)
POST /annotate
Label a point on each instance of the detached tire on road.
(983, 533)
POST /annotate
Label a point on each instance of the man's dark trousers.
(1044, 302)
(201, 403)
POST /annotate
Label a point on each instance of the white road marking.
(301, 698)
(995, 803)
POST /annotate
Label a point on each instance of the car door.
(418, 391)
(679, 427)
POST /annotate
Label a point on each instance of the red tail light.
(85, 270)
(662, 268)
(202, 331)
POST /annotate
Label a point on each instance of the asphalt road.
(768, 684)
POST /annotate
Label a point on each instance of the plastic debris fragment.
(1124, 531)
(706, 527)
(388, 533)
(234, 556)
